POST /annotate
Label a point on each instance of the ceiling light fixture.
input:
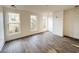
(13, 6)
(76, 6)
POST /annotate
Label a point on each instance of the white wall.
(55, 24)
(71, 23)
(25, 23)
(1, 29)
(58, 23)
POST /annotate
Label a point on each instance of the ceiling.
(43, 8)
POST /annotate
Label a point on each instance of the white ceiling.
(43, 8)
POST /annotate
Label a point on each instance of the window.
(13, 23)
(44, 21)
(33, 22)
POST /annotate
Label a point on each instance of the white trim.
(13, 23)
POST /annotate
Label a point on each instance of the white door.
(1, 29)
(50, 23)
(58, 23)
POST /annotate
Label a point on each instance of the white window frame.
(19, 24)
(45, 18)
(33, 18)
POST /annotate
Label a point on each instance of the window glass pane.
(13, 28)
(13, 18)
(44, 21)
(33, 23)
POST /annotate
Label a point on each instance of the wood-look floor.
(42, 43)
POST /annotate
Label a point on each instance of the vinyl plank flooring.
(42, 43)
